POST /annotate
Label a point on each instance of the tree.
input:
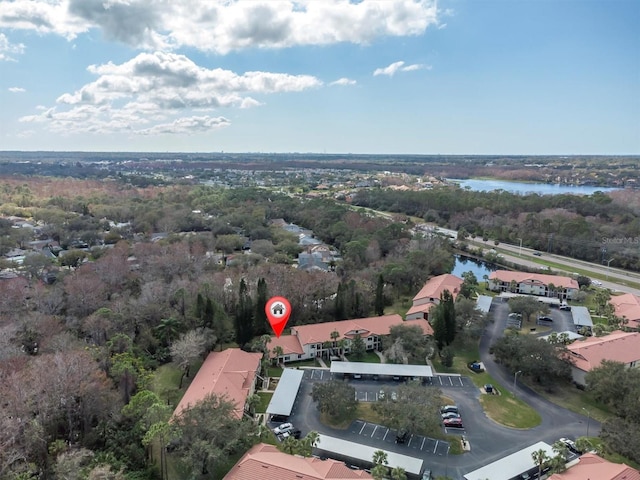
(380, 461)
(398, 473)
(210, 432)
(358, 347)
(335, 398)
(186, 349)
(278, 353)
(167, 330)
(244, 315)
(406, 342)
(379, 301)
(414, 410)
(444, 320)
(261, 324)
(540, 458)
(469, 285)
(527, 306)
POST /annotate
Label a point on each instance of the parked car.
(357, 376)
(285, 427)
(537, 254)
(544, 318)
(450, 415)
(489, 388)
(402, 436)
(394, 396)
(565, 306)
(453, 423)
(571, 445)
(426, 475)
(449, 408)
(295, 433)
(381, 395)
(597, 283)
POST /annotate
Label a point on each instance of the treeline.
(595, 228)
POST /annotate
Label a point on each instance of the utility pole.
(520, 250)
(588, 419)
(515, 379)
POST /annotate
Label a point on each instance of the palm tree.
(379, 472)
(540, 458)
(252, 402)
(334, 336)
(278, 352)
(167, 330)
(380, 457)
(398, 473)
(312, 438)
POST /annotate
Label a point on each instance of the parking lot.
(381, 436)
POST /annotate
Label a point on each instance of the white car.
(285, 427)
(597, 283)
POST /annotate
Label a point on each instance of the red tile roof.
(522, 277)
(422, 323)
(619, 346)
(424, 308)
(627, 306)
(289, 344)
(230, 373)
(437, 285)
(593, 467)
(266, 462)
(321, 332)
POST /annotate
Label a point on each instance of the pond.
(522, 188)
(478, 267)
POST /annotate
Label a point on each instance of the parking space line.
(409, 442)
(461, 383)
(440, 379)
(451, 381)
(374, 431)
(436, 447)
(364, 424)
(422, 445)
(385, 435)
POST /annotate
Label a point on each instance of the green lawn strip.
(569, 397)
(274, 371)
(369, 357)
(505, 408)
(166, 382)
(399, 306)
(265, 398)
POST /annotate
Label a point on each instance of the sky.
(503, 77)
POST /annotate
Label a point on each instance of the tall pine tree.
(244, 316)
(261, 324)
(379, 301)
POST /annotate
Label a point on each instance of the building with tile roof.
(589, 353)
(429, 295)
(266, 462)
(533, 284)
(231, 373)
(627, 306)
(592, 467)
(315, 340)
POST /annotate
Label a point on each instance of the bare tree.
(188, 348)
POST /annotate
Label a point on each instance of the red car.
(452, 423)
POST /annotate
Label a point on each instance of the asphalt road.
(489, 441)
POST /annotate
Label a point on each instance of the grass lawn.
(274, 371)
(399, 306)
(166, 381)
(369, 357)
(505, 408)
(265, 398)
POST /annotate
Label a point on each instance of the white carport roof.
(382, 369)
(510, 466)
(282, 401)
(483, 303)
(581, 317)
(365, 453)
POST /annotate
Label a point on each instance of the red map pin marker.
(278, 310)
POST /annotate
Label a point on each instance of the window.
(286, 359)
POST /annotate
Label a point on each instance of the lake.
(478, 267)
(478, 185)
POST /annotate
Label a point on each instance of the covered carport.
(581, 318)
(386, 369)
(284, 397)
(362, 455)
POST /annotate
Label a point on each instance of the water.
(522, 188)
(478, 267)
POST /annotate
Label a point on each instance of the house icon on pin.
(277, 309)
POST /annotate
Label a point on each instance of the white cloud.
(16, 89)
(395, 67)
(343, 81)
(7, 48)
(187, 126)
(158, 93)
(221, 26)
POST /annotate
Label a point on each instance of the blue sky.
(387, 76)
